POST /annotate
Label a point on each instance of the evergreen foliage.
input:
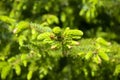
(59, 39)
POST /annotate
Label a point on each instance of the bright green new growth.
(102, 41)
(56, 30)
(74, 34)
(17, 69)
(7, 19)
(44, 36)
(21, 26)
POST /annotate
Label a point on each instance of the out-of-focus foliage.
(95, 17)
(40, 40)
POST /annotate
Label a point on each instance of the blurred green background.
(94, 17)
